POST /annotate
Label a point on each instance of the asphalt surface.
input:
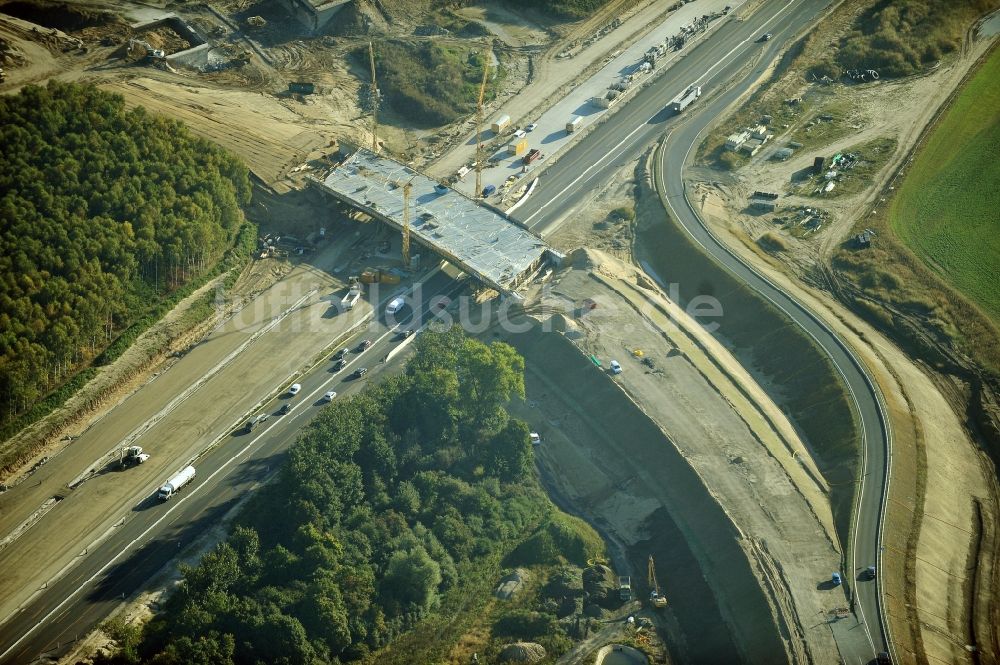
(154, 532)
(720, 65)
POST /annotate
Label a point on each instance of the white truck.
(574, 124)
(182, 478)
(683, 101)
(132, 455)
(351, 297)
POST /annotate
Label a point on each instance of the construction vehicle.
(625, 588)
(656, 598)
(175, 483)
(352, 296)
(150, 52)
(132, 455)
(377, 275)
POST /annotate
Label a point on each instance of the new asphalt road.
(728, 64)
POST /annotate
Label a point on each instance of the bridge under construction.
(481, 241)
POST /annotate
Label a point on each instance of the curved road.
(733, 57)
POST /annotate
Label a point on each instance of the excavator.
(657, 599)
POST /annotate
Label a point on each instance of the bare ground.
(940, 535)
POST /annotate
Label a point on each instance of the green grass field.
(948, 208)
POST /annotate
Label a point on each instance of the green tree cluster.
(430, 83)
(903, 37)
(104, 211)
(384, 499)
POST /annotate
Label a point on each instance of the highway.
(154, 532)
(719, 65)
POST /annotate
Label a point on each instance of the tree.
(412, 579)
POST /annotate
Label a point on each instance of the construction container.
(519, 147)
(500, 124)
(573, 124)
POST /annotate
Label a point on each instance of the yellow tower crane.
(406, 225)
(374, 97)
(487, 54)
(658, 600)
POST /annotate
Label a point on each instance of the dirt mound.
(522, 652)
(364, 17)
(601, 586)
(511, 584)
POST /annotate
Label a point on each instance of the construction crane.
(658, 600)
(487, 54)
(406, 225)
(374, 97)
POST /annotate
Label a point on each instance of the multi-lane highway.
(154, 532)
(728, 64)
(725, 65)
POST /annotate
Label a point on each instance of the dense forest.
(385, 500)
(105, 211)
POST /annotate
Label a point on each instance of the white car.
(328, 397)
(294, 390)
(532, 127)
(615, 367)
(535, 439)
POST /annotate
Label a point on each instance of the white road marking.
(609, 153)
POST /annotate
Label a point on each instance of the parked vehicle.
(488, 190)
(500, 124)
(175, 484)
(294, 389)
(328, 397)
(535, 439)
(574, 124)
(532, 127)
(615, 367)
(835, 578)
(351, 297)
(133, 455)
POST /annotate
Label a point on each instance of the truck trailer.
(683, 101)
(573, 124)
(174, 485)
(500, 124)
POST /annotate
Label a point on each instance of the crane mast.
(374, 97)
(655, 597)
(406, 225)
(479, 122)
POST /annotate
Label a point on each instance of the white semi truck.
(183, 477)
(683, 101)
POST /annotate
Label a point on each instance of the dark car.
(364, 345)
(360, 372)
(883, 659)
(765, 37)
(285, 409)
(340, 364)
(340, 354)
(406, 334)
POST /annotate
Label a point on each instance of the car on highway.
(328, 397)
(253, 422)
(765, 37)
(340, 354)
(406, 334)
(870, 573)
(285, 409)
(615, 367)
(360, 372)
(294, 389)
(364, 345)
(883, 658)
(340, 364)
(532, 127)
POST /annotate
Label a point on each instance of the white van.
(395, 305)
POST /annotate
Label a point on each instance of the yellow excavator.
(658, 600)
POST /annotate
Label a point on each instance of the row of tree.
(104, 211)
(384, 499)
